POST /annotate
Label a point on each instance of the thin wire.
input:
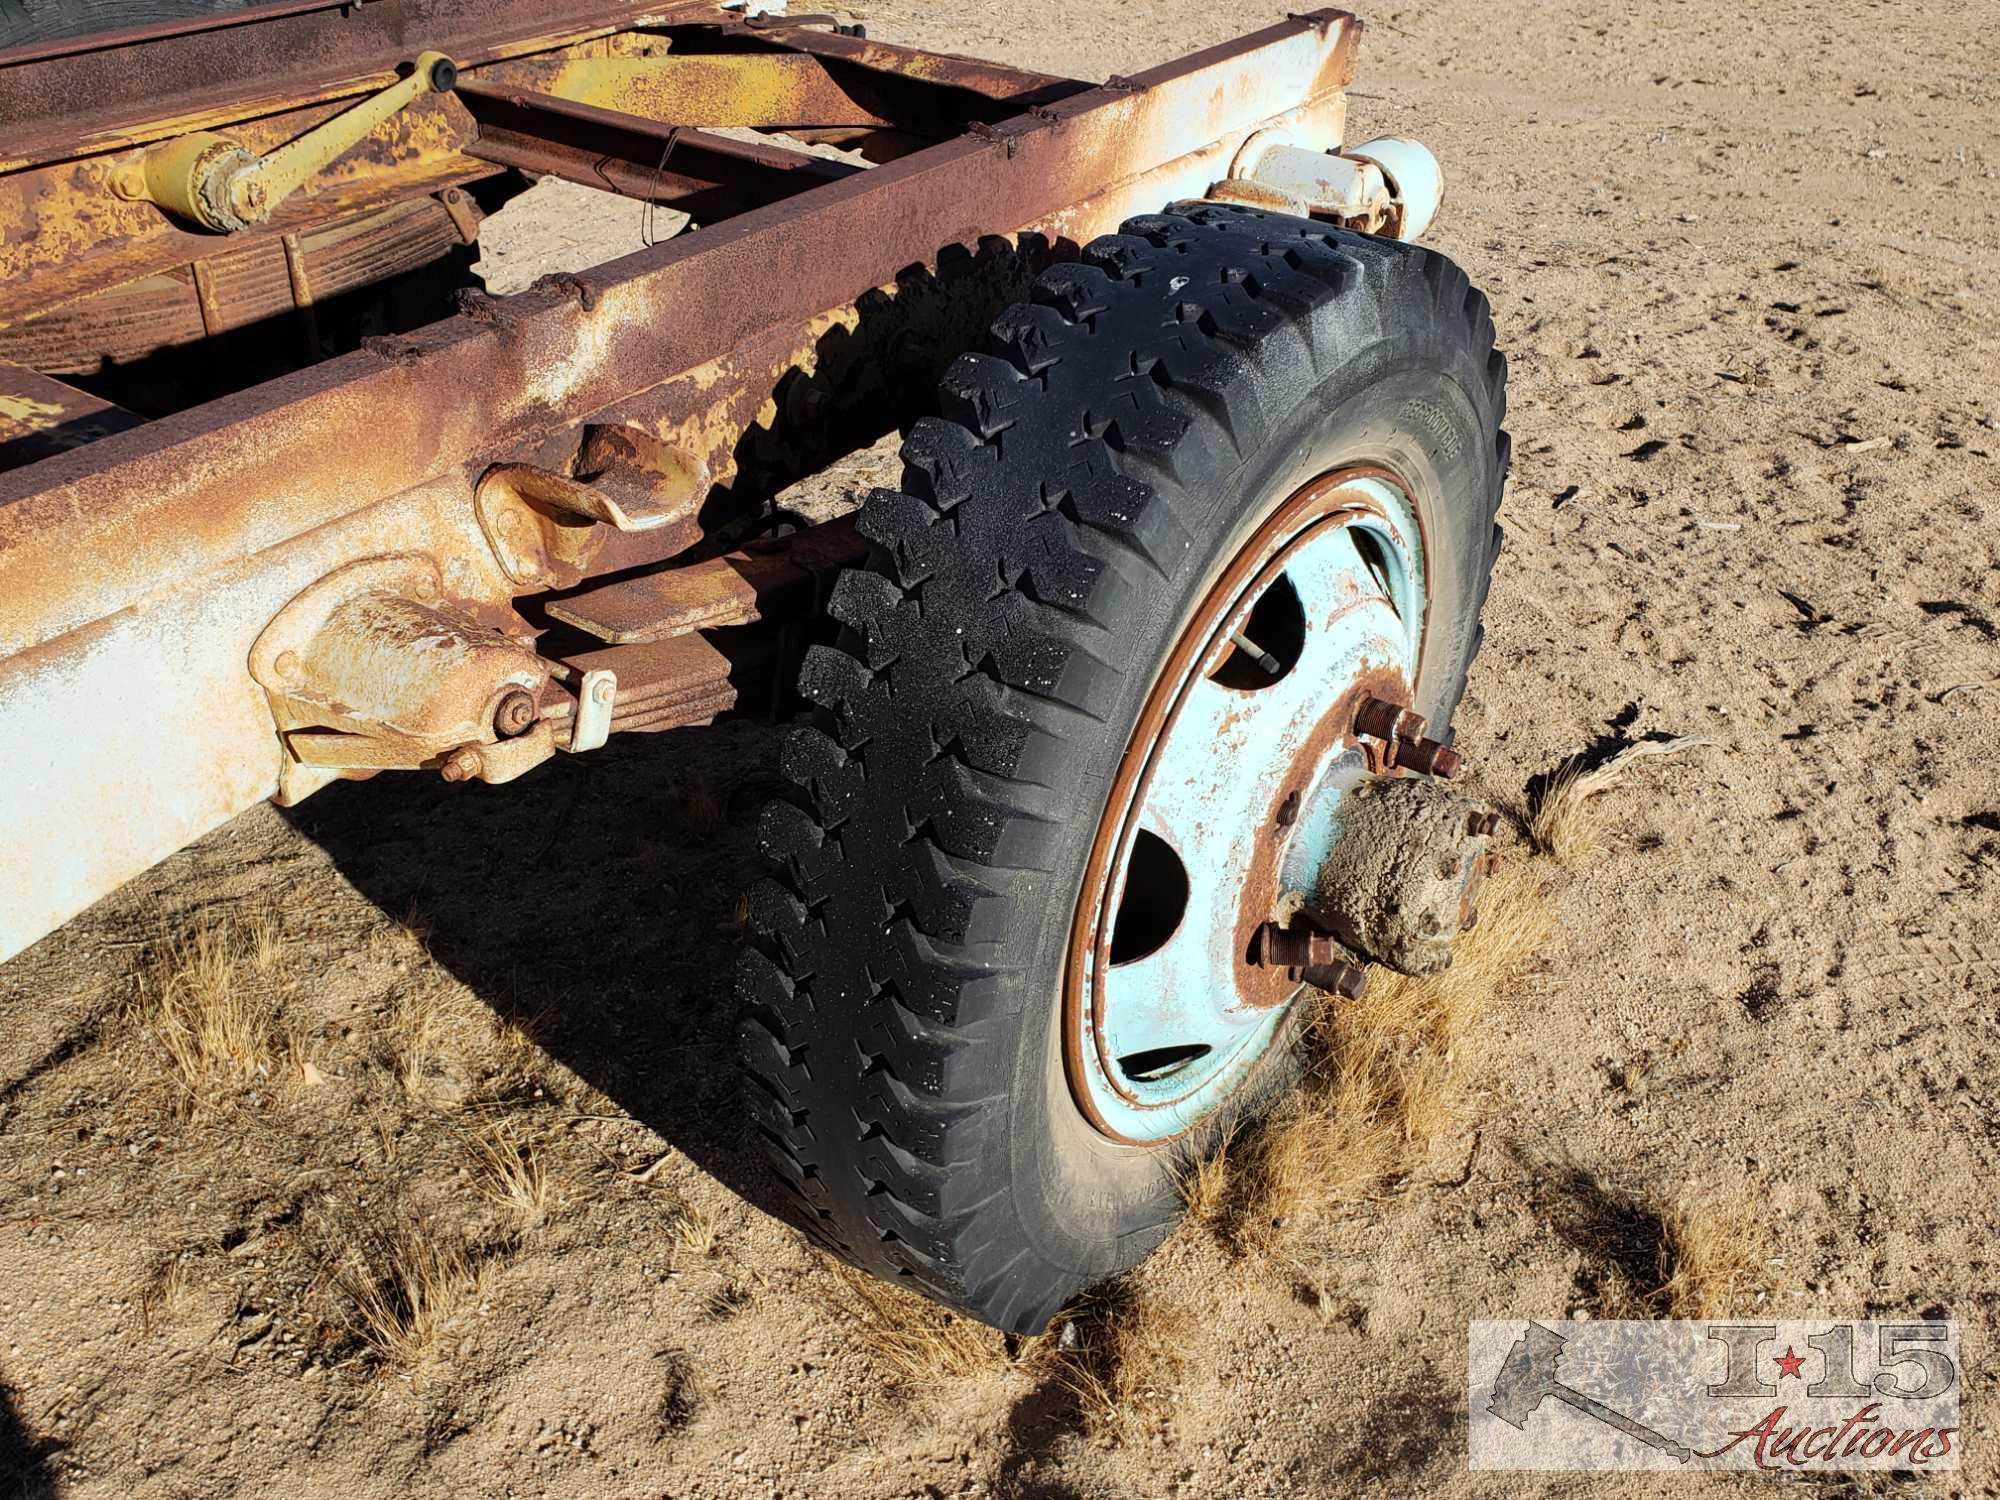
(653, 195)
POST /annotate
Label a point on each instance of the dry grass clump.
(1562, 826)
(399, 941)
(737, 923)
(1386, 1076)
(209, 1000)
(1206, 1185)
(695, 811)
(1124, 1356)
(726, 1299)
(519, 1035)
(1698, 1256)
(510, 1170)
(264, 938)
(694, 1229)
(407, 1286)
(1120, 1355)
(434, 1018)
(1713, 1259)
(683, 1390)
(912, 1341)
(169, 1289)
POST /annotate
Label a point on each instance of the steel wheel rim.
(1227, 796)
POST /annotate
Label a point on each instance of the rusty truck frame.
(159, 584)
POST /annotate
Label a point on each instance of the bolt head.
(604, 692)
(461, 765)
(515, 715)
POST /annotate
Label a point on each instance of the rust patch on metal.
(775, 580)
(40, 417)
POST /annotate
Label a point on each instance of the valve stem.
(1271, 665)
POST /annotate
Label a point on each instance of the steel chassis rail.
(225, 604)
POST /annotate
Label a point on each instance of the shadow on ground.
(596, 901)
(1036, 1423)
(24, 1468)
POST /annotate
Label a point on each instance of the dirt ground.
(1744, 261)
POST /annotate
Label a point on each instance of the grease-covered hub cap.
(1228, 797)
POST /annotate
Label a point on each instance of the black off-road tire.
(1090, 476)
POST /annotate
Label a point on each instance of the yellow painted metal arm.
(284, 170)
(220, 185)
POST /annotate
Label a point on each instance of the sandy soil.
(1744, 260)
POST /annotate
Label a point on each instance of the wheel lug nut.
(1312, 956)
(1289, 948)
(1347, 980)
(1296, 947)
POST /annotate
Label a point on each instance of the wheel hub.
(1228, 803)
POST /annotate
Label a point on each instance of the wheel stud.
(1428, 757)
(1407, 747)
(1294, 947)
(1310, 955)
(1346, 980)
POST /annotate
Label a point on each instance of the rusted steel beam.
(198, 529)
(57, 35)
(706, 175)
(852, 60)
(850, 84)
(776, 90)
(40, 416)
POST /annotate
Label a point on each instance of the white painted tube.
(1415, 179)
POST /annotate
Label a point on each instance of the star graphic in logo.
(1788, 1363)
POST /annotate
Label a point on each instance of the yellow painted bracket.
(219, 184)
